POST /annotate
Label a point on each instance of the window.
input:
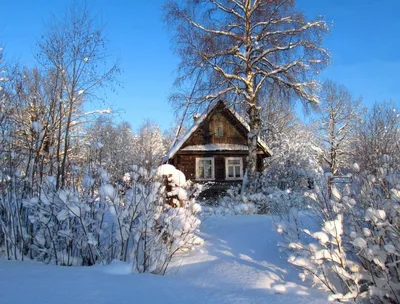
(205, 168)
(219, 128)
(234, 167)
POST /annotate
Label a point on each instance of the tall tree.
(338, 117)
(75, 49)
(245, 49)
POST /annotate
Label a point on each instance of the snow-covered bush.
(275, 200)
(146, 220)
(293, 169)
(355, 253)
(167, 220)
(233, 203)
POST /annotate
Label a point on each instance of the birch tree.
(339, 115)
(245, 48)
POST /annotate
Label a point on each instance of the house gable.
(220, 118)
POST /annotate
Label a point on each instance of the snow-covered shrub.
(146, 220)
(280, 201)
(293, 169)
(233, 203)
(355, 253)
(296, 159)
(167, 220)
(67, 225)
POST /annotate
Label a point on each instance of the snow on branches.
(355, 252)
(97, 221)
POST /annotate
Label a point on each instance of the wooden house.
(215, 148)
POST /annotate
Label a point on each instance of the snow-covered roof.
(175, 148)
(216, 147)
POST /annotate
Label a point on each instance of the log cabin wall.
(187, 163)
(207, 132)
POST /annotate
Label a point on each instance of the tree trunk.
(255, 124)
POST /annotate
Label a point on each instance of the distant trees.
(111, 145)
(116, 148)
(278, 119)
(338, 117)
(245, 49)
(4, 115)
(378, 136)
(150, 147)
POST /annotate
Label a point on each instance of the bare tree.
(339, 114)
(378, 137)
(245, 48)
(34, 115)
(75, 49)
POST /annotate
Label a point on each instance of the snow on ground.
(239, 263)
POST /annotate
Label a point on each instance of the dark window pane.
(237, 171)
(230, 171)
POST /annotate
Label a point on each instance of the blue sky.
(364, 42)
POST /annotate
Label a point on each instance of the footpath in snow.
(239, 263)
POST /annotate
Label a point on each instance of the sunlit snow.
(239, 262)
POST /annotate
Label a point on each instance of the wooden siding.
(187, 163)
(205, 133)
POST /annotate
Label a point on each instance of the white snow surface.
(216, 147)
(239, 262)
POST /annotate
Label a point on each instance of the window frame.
(198, 159)
(219, 128)
(227, 159)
